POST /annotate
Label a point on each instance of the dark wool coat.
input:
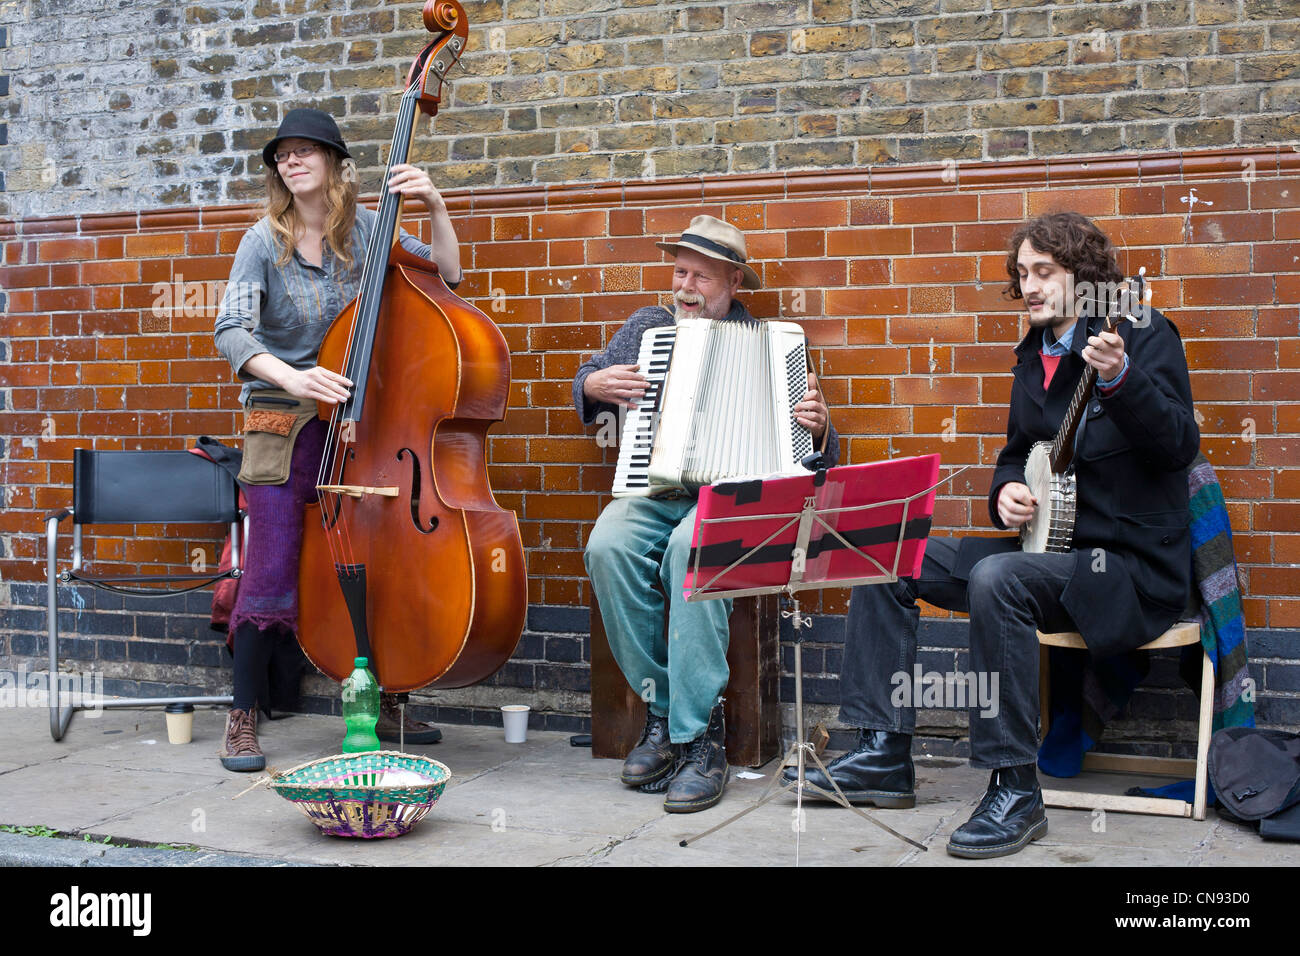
(1133, 565)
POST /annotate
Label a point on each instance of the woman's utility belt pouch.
(272, 420)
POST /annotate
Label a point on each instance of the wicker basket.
(379, 793)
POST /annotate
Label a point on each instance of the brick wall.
(149, 103)
(894, 272)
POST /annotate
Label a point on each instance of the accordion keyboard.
(719, 405)
(632, 474)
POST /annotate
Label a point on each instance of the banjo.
(1049, 470)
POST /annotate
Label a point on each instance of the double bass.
(406, 558)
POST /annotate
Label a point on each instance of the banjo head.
(1038, 478)
(1051, 529)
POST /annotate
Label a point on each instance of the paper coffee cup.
(180, 723)
(515, 719)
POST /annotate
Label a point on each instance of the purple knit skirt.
(268, 589)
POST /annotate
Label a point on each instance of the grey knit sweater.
(624, 348)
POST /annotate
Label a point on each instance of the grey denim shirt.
(287, 309)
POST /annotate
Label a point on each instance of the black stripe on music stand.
(720, 554)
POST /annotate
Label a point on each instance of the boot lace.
(651, 721)
(997, 797)
(241, 737)
(697, 750)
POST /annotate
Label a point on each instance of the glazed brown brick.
(897, 281)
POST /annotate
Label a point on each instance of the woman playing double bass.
(295, 269)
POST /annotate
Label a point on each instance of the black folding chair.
(136, 487)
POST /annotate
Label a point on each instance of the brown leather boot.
(392, 729)
(241, 753)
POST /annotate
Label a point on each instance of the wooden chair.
(752, 705)
(1183, 633)
(136, 487)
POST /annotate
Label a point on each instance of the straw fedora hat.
(718, 240)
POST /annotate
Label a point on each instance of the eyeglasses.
(302, 152)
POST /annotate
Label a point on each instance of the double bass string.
(361, 341)
(338, 537)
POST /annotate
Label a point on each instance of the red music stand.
(838, 527)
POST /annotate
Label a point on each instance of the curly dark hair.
(1074, 242)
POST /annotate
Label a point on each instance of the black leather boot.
(1008, 819)
(702, 773)
(654, 756)
(878, 773)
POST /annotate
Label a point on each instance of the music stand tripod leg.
(838, 797)
(796, 751)
(774, 786)
(800, 782)
(773, 789)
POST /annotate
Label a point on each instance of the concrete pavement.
(542, 803)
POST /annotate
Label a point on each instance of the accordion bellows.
(720, 405)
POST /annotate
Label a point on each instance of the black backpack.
(1256, 777)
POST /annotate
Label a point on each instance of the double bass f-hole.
(332, 498)
(415, 494)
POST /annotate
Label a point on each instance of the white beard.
(701, 311)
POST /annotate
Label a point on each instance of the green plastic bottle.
(360, 709)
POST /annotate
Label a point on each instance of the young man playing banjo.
(1124, 572)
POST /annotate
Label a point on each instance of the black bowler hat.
(304, 123)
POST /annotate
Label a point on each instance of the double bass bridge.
(360, 491)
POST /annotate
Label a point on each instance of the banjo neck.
(1062, 453)
(1126, 303)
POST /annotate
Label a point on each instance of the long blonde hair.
(340, 204)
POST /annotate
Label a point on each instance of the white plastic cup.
(180, 723)
(515, 718)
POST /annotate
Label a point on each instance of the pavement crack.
(586, 858)
(151, 769)
(913, 854)
(594, 856)
(132, 811)
(36, 763)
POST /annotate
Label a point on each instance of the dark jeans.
(1008, 596)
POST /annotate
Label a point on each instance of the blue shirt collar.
(1060, 346)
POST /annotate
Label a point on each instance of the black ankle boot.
(654, 756)
(1008, 819)
(702, 773)
(878, 773)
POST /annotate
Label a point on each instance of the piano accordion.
(720, 405)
